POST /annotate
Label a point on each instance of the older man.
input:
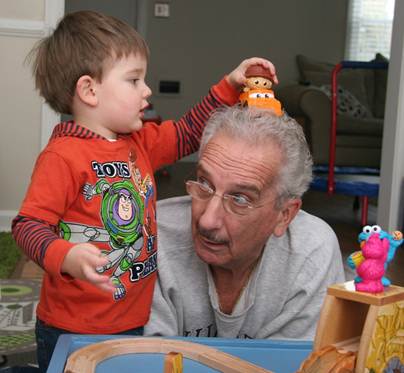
(239, 259)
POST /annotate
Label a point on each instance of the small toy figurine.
(395, 240)
(257, 90)
(372, 268)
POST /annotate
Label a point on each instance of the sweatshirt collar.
(72, 129)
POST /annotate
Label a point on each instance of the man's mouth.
(210, 241)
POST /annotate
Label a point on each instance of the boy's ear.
(85, 90)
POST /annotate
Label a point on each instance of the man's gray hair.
(259, 126)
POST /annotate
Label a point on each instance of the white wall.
(23, 115)
(391, 196)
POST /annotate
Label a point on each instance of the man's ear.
(86, 90)
(288, 211)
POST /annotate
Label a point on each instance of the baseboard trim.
(6, 217)
(23, 28)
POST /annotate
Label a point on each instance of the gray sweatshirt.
(281, 300)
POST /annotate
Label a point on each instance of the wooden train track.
(87, 358)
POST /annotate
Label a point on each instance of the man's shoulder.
(304, 219)
(317, 245)
(308, 244)
(175, 208)
(311, 229)
(174, 222)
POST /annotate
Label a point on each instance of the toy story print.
(125, 214)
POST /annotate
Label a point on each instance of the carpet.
(18, 301)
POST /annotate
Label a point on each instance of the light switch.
(161, 10)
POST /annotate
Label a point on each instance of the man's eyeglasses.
(234, 204)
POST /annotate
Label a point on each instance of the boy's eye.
(134, 81)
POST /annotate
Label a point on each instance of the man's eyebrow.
(241, 186)
(248, 187)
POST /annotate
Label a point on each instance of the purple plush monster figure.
(371, 270)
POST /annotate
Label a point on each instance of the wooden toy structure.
(87, 358)
(359, 332)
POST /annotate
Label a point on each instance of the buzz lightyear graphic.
(122, 213)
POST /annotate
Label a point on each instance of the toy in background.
(367, 262)
(372, 268)
(361, 325)
(359, 332)
(257, 90)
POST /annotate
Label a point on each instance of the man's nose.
(213, 213)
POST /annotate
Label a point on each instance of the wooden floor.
(335, 210)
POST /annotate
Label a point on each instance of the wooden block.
(318, 360)
(329, 360)
(366, 337)
(378, 319)
(351, 344)
(339, 320)
(228, 363)
(346, 363)
(188, 349)
(173, 363)
(347, 291)
(382, 341)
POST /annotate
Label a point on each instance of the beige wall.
(20, 114)
(202, 40)
(23, 9)
(20, 108)
(196, 45)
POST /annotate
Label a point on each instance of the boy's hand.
(81, 262)
(237, 77)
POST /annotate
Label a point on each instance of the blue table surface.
(280, 356)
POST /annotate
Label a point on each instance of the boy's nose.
(147, 92)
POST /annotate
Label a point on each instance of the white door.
(125, 10)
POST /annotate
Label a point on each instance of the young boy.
(88, 217)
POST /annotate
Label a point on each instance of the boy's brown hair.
(81, 45)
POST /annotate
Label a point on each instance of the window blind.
(369, 29)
